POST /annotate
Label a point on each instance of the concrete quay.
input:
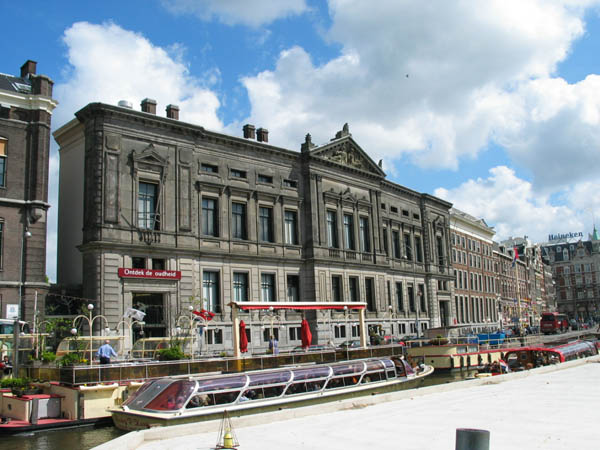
(548, 408)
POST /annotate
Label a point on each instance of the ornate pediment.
(345, 151)
(149, 159)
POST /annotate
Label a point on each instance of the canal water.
(85, 438)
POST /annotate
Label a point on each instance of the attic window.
(209, 168)
(383, 206)
(416, 216)
(290, 183)
(266, 179)
(405, 213)
(394, 209)
(235, 173)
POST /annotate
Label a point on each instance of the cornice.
(28, 101)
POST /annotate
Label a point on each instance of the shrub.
(172, 353)
(70, 359)
(48, 357)
(19, 383)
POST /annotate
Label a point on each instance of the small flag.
(515, 256)
(206, 315)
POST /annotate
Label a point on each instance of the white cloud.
(108, 63)
(438, 83)
(512, 207)
(231, 12)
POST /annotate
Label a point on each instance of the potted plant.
(20, 386)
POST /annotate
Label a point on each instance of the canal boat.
(174, 401)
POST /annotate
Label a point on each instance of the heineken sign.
(562, 236)
(125, 272)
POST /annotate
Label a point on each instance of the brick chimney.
(173, 112)
(262, 135)
(249, 132)
(149, 106)
(28, 68)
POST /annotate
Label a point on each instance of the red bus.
(553, 322)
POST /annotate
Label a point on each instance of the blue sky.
(492, 105)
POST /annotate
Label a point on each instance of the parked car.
(312, 348)
(354, 343)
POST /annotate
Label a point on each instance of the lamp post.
(90, 321)
(130, 325)
(26, 235)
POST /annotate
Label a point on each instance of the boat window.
(225, 397)
(387, 363)
(200, 400)
(339, 382)
(257, 379)
(173, 397)
(131, 401)
(313, 372)
(269, 392)
(374, 365)
(220, 384)
(302, 387)
(343, 369)
(391, 374)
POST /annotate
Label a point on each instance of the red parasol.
(243, 338)
(305, 334)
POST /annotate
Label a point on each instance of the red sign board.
(125, 272)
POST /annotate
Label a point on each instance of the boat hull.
(133, 420)
(452, 357)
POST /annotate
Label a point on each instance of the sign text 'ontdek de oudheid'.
(125, 272)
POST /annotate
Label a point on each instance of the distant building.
(26, 107)
(475, 285)
(160, 215)
(576, 272)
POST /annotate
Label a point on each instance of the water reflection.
(82, 438)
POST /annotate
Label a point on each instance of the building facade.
(475, 281)
(160, 215)
(575, 266)
(26, 107)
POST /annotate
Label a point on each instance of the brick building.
(26, 107)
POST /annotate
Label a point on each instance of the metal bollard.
(472, 439)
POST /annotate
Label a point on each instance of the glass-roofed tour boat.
(174, 401)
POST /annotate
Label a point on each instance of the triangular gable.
(346, 152)
(149, 156)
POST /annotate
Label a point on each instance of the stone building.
(575, 269)
(513, 286)
(475, 281)
(26, 107)
(161, 215)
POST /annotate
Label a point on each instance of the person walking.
(105, 352)
(273, 346)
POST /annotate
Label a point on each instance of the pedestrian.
(6, 366)
(105, 352)
(273, 346)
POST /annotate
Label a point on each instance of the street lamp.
(90, 321)
(271, 317)
(26, 235)
(130, 325)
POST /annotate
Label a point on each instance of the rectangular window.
(339, 331)
(3, 145)
(408, 247)
(411, 298)
(266, 179)
(138, 262)
(394, 209)
(370, 293)
(418, 249)
(240, 286)
(238, 220)
(267, 287)
(290, 183)
(400, 296)
(147, 199)
(265, 216)
(422, 299)
(235, 173)
(353, 287)
(158, 264)
(349, 232)
(209, 217)
(396, 244)
(214, 336)
(209, 168)
(365, 243)
(336, 288)
(295, 333)
(267, 332)
(1, 247)
(385, 241)
(293, 288)
(291, 228)
(210, 290)
(332, 239)
(440, 250)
